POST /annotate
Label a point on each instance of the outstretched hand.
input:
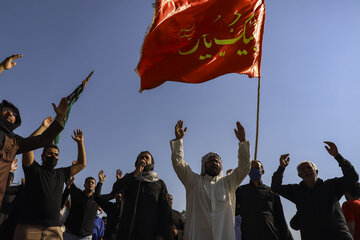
(47, 121)
(14, 166)
(8, 62)
(118, 174)
(102, 177)
(70, 181)
(78, 136)
(61, 109)
(240, 132)
(284, 160)
(179, 131)
(331, 148)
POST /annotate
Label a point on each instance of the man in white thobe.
(210, 197)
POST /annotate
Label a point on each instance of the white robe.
(210, 201)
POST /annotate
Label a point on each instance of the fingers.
(15, 56)
(15, 161)
(88, 77)
(185, 130)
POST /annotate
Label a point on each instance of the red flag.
(195, 41)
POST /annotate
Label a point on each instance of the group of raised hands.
(331, 149)
(180, 132)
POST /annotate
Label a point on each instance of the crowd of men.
(139, 205)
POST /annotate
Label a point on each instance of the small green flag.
(72, 98)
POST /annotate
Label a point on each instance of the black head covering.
(6, 127)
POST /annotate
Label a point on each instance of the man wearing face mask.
(210, 197)
(44, 185)
(146, 210)
(261, 212)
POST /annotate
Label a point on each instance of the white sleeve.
(182, 169)
(239, 173)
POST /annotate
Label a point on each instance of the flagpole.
(257, 118)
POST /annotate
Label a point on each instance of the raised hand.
(8, 62)
(240, 132)
(14, 166)
(118, 174)
(60, 110)
(78, 136)
(179, 131)
(47, 121)
(331, 148)
(70, 181)
(229, 171)
(284, 160)
(102, 177)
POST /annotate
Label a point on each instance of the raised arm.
(81, 160)
(350, 175)
(286, 191)
(182, 169)
(28, 157)
(44, 139)
(239, 173)
(8, 63)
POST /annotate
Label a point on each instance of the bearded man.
(210, 197)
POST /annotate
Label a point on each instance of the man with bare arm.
(210, 197)
(40, 218)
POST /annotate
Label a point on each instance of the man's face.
(90, 185)
(170, 199)
(213, 166)
(307, 172)
(8, 114)
(257, 165)
(48, 155)
(146, 157)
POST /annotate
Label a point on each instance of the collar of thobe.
(210, 178)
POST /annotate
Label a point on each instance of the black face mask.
(50, 162)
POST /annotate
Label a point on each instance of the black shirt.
(43, 195)
(261, 212)
(82, 212)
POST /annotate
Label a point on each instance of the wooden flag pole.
(257, 118)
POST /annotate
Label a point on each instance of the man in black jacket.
(146, 210)
(319, 214)
(260, 209)
(80, 222)
(112, 209)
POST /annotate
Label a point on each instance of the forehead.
(256, 164)
(304, 165)
(90, 180)
(51, 150)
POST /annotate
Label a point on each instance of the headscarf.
(148, 176)
(206, 158)
(6, 127)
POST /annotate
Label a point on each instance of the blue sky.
(310, 88)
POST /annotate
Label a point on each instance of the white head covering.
(206, 158)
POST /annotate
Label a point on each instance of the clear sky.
(310, 88)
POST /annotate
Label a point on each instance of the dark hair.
(138, 157)
(354, 191)
(50, 146)
(89, 178)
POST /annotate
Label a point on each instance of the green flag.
(72, 98)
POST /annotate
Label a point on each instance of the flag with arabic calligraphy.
(195, 41)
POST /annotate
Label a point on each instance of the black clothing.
(261, 212)
(319, 214)
(148, 202)
(178, 222)
(43, 195)
(82, 212)
(12, 144)
(113, 212)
